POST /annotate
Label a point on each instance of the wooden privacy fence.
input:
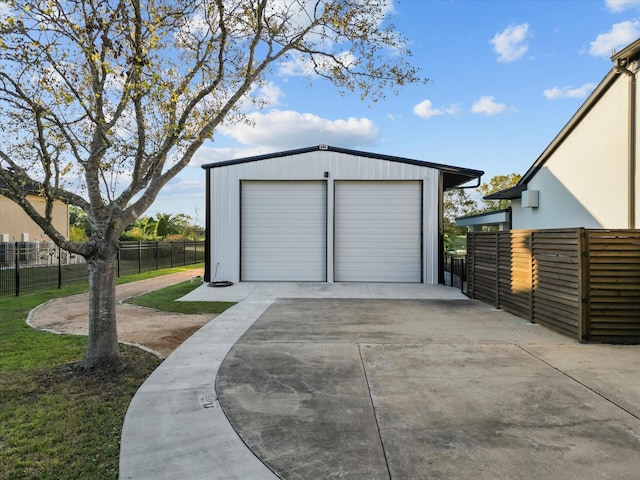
(584, 283)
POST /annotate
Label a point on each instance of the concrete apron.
(412, 389)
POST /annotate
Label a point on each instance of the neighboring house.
(327, 214)
(17, 226)
(498, 219)
(588, 176)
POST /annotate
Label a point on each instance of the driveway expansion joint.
(375, 413)
(574, 379)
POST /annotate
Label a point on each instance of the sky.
(504, 78)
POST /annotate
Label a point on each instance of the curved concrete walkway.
(531, 398)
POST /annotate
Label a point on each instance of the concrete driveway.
(377, 388)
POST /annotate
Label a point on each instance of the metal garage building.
(326, 214)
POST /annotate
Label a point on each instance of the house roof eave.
(628, 53)
(510, 193)
(487, 218)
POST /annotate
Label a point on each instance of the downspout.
(441, 257)
(621, 67)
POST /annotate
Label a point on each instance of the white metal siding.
(284, 234)
(378, 231)
(225, 216)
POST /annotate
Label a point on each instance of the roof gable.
(620, 59)
(29, 188)
(452, 176)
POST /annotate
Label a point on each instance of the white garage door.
(378, 231)
(283, 231)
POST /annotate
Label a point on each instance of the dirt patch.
(166, 340)
(161, 332)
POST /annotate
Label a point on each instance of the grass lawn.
(57, 423)
(165, 300)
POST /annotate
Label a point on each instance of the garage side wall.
(225, 198)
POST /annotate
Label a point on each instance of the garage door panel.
(283, 231)
(292, 270)
(389, 274)
(378, 230)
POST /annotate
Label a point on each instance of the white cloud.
(295, 65)
(620, 35)
(192, 31)
(271, 93)
(425, 109)
(299, 65)
(184, 194)
(488, 106)
(453, 110)
(266, 95)
(5, 11)
(618, 6)
(510, 44)
(206, 154)
(280, 129)
(569, 92)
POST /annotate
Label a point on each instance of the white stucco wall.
(584, 182)
(225, 201)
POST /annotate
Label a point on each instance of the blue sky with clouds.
(504, 78)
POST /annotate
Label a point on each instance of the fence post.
(532, 273)
(171, 253)
(157, 248)
(583, 286)
(139, 256)
(59, 268)
(118, 260)
(17, 260)
(470, 264)
(184, 252)
(497, 234)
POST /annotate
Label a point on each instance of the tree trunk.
(102, 350)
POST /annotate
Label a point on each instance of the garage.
(283, 231)
(326, 214)
(378, 231)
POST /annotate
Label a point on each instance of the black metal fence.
(31, 266)
(455, 272)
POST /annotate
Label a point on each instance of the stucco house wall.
(15, 223)
(584, 182)
(588, 176)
